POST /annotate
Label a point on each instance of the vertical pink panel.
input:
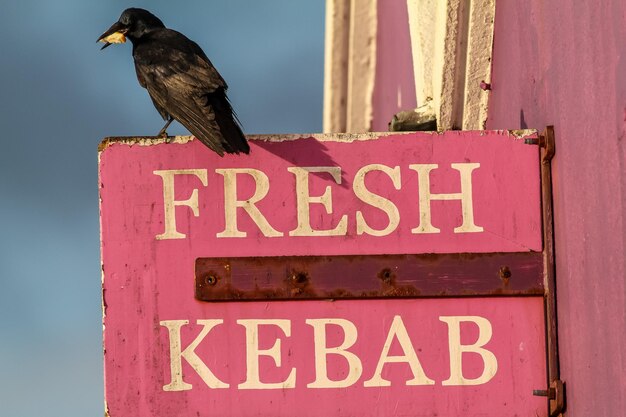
(566, 66)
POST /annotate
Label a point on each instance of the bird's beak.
(115, 34)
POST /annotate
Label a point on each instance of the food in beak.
(115, 37)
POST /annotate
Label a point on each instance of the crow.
(182, 82)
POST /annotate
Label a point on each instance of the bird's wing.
(142, 82)
(182, 81)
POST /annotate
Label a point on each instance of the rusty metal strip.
(557, 402)
(360, 276)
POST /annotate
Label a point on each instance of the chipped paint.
(327, 137)
(523, 133)
(321, 137)
(142, 140)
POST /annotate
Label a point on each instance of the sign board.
(306, 278)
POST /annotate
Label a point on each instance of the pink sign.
(165, 205)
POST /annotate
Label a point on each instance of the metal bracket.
(556, 395)
(368, 276)
(546, 141)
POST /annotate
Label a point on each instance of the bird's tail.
(229, 125)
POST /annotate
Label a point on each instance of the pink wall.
(559, 64)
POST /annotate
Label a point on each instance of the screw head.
(211, 279)
(504, 272)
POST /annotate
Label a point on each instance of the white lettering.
(176, 356)
(322, 351)
(231, 203)
(425, 196)
(304, 200)
(253, 378)
(457, 350)
(170, 204)
(390, 209)
(345, 376)
(397, 330)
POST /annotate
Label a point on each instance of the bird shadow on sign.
(304, 152)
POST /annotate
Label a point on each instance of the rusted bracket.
(546, 141)
(556, 393)
(368, 276)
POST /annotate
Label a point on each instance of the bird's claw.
(163, 135)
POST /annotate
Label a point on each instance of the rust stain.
(505, 275)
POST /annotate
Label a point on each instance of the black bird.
(180, 79)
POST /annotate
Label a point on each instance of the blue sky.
(60, 95)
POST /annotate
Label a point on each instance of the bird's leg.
(163, 132)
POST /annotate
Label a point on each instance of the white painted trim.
(478, 68)
(422, 23)
(350, 66)
(361, 65)
(451, 46)
(450, 66)
(335, 65)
